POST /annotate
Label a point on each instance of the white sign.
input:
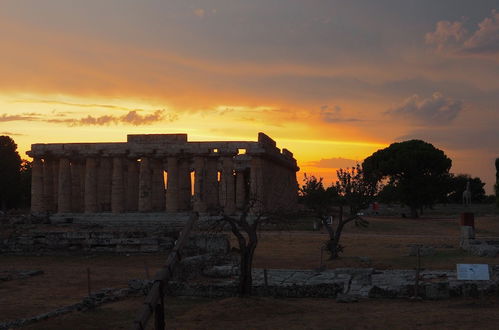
(473, 272)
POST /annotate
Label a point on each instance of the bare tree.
(245, 226)
(338, 204)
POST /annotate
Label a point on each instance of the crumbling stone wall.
(133, 241)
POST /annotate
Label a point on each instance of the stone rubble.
(124, 242)
(346, 285)
(343, 283)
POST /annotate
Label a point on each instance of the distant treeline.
(15, 177)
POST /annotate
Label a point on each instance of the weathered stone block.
(223, 271)
(484, 250)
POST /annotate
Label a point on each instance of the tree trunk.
(335, 250)
(333, 244)
(414, 212)
(330, 244)
(246, 250)
(244, 278)
(245, 275)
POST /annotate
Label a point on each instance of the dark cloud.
(454, 38)
(333, 163)
(459, 138)
(132, 117)
(434, 110)
(22, 117)
(334, 115)
(11, 134)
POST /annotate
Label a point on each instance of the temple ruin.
(162, 173)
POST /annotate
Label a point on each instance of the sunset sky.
(333, 81)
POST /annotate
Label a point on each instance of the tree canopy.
(417, 171)
(458, 186)
(10, 166)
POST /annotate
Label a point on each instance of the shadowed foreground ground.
(269, 313)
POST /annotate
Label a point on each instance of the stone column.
(228, 185)
(240, 189)
(132, 185)
(55, 180)
(91, 185)
(257, 187)
(292, 187)
(145, 193)
(48, 185)
(64, 190)
(104, 184)
(172, 190)
(199, 184)
(82, 185)
(117, 187)
(184, 184)
(37, 200)
(76, 196)
(158, 186)
(211, 184)
(273, 185)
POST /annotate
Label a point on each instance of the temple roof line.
(166, 145)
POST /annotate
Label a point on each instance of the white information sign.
(473, 272)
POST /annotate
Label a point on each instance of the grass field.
(385, 242)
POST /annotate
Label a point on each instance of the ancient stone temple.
(162, 173)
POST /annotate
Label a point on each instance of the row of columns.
(118, 184)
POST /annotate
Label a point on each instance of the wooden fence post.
(159, 313)
(89, 288)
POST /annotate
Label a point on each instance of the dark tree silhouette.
(339, 204)
(388, 194)
(10, 165)
(245, 228)
(25, 184)
(497, 182)
(417, 170)
(458, 186)
(245, 225)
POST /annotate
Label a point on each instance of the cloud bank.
(11, 134)
(334, 115)
(454, 38)
(434, 110)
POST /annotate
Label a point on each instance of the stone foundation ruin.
(162, 173)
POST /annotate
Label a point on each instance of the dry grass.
(386, 242)
(64, 280)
